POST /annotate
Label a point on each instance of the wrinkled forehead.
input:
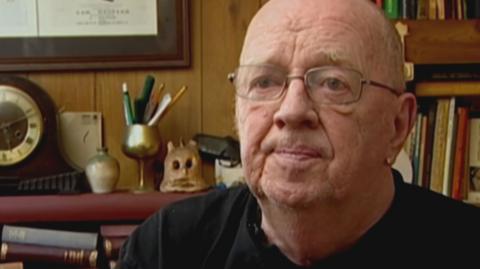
(315, 32)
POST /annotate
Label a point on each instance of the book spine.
(46, 237)
(439, 146)
(448, 166)
(117, 230)
(460, 152)
(11, 265)
(441, 9)
(422, 6)
(112, 247)
(431, 118)
(391, 9)
(33, 253)
(432, 10)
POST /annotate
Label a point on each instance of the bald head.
(364, 37)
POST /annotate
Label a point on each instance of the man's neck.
(311, 234)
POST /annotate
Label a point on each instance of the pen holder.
(142, 143)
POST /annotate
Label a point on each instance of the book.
(460, 154)
(474, 155)
(439, 145)
(428, 154)
(35, 253)
(112, 246)
(11, 265)
(48, 237)
(449, 145)
(117, 230)
(391, 8)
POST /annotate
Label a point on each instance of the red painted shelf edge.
(85, 207)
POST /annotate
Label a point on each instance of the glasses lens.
(332, 85)
(259, 82)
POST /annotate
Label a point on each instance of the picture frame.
(169, 48)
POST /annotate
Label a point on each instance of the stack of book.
(47, 248)
(113, 238)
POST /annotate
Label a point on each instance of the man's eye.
(335, 84)
(265, 83)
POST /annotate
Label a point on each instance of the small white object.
(227, 174)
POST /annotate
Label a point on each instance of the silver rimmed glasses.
(326, 84)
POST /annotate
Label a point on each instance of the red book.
(460, 153)
(120, 230)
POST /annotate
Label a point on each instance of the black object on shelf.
(64, 183)
(214, 147)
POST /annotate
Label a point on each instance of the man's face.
(295, 151)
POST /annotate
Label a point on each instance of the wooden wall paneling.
(69, 91)
(184, 120)
(224, 25)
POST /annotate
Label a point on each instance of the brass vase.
(141, 142)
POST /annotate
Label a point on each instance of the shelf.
(84, 207)
(443, 41)
(450, 88)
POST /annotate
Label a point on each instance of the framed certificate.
(93, 34)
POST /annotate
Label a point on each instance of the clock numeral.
(28, 111)
(33, 125)
(4, 156)
(29, 140)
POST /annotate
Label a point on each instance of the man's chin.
(298, 195)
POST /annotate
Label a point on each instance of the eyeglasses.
(326, 84)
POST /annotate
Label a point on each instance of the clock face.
(21, 125)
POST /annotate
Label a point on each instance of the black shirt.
(222, 230)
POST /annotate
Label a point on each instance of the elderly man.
(321, 113)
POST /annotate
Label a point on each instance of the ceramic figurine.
(183, 169)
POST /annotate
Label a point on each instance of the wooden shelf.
(443, 41)
(84, 207)
(448, 88)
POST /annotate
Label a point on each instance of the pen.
(152, 103)
(167, 98)
(159, 116)
(127, 107)
(142, 101)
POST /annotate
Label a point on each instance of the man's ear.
(404, 121)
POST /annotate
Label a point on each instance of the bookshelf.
(446, 55)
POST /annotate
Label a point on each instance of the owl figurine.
(183, 169)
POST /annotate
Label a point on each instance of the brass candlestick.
(141, 142)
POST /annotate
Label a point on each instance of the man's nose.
(297, 109)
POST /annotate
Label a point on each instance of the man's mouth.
(298, 153)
